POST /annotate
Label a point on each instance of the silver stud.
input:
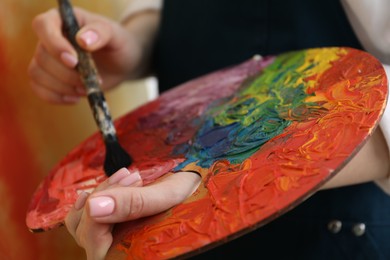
(359, 229)
(335, 226)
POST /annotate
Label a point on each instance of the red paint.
(233, 199)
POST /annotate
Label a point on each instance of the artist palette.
(264, 135)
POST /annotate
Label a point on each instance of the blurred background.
(36, 135)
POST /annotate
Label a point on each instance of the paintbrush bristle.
(116, 157)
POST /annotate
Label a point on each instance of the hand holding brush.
(116, 156)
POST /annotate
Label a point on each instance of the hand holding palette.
(264, 135)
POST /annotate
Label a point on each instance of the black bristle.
(116, 157)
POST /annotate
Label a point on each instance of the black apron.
(201, 36)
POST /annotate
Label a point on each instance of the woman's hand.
(121, 198)
(52, 68)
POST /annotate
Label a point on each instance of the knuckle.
(41, 19)
(36, 22)
(136, 206)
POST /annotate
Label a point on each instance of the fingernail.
(101, 206)
(132, 178)
(89, 37)
(69, 59)
(119, 175)
(80, 202)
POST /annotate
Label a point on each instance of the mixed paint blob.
(264, 135)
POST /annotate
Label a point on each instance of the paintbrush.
(116, 156)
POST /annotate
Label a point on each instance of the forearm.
(370, 20)
(142, 27)
(371, 163)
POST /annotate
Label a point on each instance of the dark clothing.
(310, 232)
(200, 36)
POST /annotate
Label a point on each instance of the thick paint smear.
(236, 129)
(264, 135)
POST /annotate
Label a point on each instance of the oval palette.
(265, 135)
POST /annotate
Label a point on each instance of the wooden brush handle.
(88, 72)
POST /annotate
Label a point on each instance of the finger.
(73, 217)
(48, 27)
(52, 66)
(123, 177)
(95, 238)
(51, 96)
(94, 36)
(48, 88)
(96, 31)
(121, 204)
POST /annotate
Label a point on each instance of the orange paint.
(345, 95)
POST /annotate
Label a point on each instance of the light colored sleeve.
(385, 127)
(385, 121)
(370, 19)
(135, 6)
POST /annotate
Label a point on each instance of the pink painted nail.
(119, 175)
(89, 37)
(69, 59)
(80, 202)
(131, 179)
(101, 206)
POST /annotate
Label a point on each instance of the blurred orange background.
(35, 135)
